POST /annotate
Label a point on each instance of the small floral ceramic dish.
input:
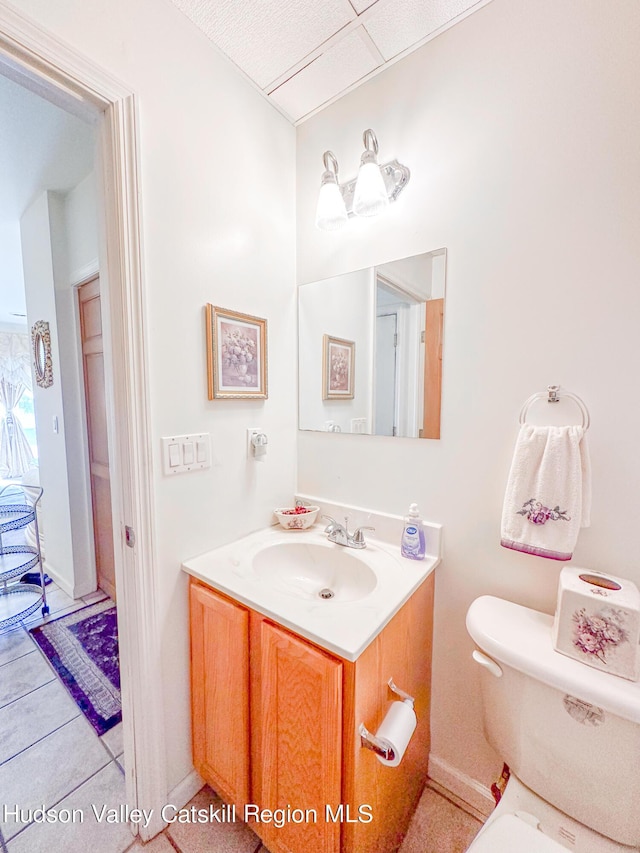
(297, 517)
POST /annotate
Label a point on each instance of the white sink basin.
(282, 573)
(309, 570)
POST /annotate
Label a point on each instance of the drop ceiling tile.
(361, 5)
(267, 37)
(402, 23)
(337, 69)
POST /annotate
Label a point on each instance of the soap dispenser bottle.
(412, 544)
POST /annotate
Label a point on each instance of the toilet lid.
(508, 834)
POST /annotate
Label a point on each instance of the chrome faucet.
(339, 533)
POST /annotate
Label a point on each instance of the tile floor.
(438, 826)
(51, 756)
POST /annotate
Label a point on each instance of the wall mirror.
(42, 363)
(383, 374)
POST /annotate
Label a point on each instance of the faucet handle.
(332, 523)
(358, 535)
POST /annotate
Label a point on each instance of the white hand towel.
(548, 496)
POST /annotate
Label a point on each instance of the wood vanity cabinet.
(219, 691)
(275, 724)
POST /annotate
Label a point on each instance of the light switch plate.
(198, 451)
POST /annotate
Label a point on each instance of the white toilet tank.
(569, 732)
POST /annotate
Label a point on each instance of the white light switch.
(174, 454)
(182, 453)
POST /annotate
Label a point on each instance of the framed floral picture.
(337, 368)
(236, 355)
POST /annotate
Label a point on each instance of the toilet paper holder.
(376, 744)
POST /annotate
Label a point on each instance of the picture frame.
(236, 355)
(338, 363)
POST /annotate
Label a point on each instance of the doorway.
(397, 352)
(385, 373)
(67, 78)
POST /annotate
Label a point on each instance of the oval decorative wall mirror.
(41, 344)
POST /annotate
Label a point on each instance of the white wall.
(11, 279)
(74, 240)
(519, 127)
(49, 247)
(37, 257)
(81, 228)
(217, 198)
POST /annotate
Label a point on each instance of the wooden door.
(220, 692)
(296, 738)
(432, 368)
(94, 390)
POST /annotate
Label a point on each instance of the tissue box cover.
(597, 621)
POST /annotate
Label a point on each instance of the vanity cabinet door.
(220, 692)
(297, 737)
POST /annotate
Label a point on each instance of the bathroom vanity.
(276, 705)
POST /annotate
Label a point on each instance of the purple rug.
(83, 649)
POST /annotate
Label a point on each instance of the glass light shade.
(370, 197)
(331, 212)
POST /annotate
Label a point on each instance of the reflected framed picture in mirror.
(236, 355)
(338, 363)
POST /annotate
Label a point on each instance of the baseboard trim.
(59, 579)
(477, 796)
(186, 790)
(70, 588)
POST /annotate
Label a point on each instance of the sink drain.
(326, 593)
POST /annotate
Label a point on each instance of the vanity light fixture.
(367, 195)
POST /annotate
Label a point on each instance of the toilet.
(569, 733)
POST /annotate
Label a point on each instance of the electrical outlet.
(251, 431)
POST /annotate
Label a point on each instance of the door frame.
(37, 60)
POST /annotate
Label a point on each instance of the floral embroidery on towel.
(597, 633)
(536, 513)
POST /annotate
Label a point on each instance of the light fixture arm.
(370, 141)
(330, 163)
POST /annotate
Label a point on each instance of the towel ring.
(552, 395)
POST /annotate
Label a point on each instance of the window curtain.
(15, 375)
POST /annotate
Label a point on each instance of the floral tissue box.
(597, 621)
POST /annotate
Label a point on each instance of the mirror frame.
(41, 348)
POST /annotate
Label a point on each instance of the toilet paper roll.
(396, 729)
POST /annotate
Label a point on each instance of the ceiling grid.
(304, 54)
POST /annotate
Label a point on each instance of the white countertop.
(344, 628)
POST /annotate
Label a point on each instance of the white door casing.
(34, 58)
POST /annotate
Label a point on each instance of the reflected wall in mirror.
(393, 313)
